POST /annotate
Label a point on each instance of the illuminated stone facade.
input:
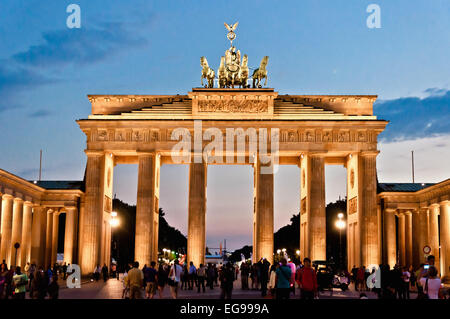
(310, 132)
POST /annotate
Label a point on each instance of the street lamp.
(114, 222)
(340, 224)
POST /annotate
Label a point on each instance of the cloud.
(414, 117)
(28, 69)
(15, 79)
(79, 46)
(40, 113)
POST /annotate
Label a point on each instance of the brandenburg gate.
(309, 131)
(232, 124)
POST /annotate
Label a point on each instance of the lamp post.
(340, 224)
(114, 222)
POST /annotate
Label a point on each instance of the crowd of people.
(153, 279)
(280, 280)
(15, 282)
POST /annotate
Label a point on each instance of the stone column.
(25, 249)
(197, 213)
(69, 236)
(49, 239)
(16, 235)
(38, 236)
(91, 237)
(423, 232)
(408, 238)
(55, 232)
(401, 239)
(312, 207)
(434, 233)
(367, 172)
(263, 212)
(390, 235)
(317, 230)
(416, 249)
(147, 209)
(6, 228)
(445, 238)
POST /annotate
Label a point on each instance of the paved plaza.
(113, 288)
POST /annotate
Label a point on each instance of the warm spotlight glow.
(114, 214)
(297, 252)
(340, 224)
(114, 222)
(340, 215)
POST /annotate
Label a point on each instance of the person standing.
(184, 278)
(307, 280)
(406, 276)
(134, 281)
(105, 272)
(192, 275)
(53, 288)
(161, 278)
(283, 280)
(150, 280)
(20, 281)
(201, 274)
(264, 276)
(360, 276)
(226, 281)
(31, 272)
(431, 284)
(36, 284)
(354, 272)
(211, 276)
(174, 278)
(97, 271)
(64, 270)
(273, 280)
(244, 276)
(3, 274)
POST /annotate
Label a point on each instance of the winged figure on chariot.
(232, 70)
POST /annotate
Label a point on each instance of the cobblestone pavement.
(113, 288)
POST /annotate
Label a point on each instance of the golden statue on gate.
(207, 72)
(232, 71)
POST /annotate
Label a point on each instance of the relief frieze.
(233, 106)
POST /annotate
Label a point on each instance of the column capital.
(7, 196)
(434, 206)
(369, 153)
(18, 200)
(28, 204)
(314, 154)
(94, 153)
(444, 202)
(390, 210)
(146, 154)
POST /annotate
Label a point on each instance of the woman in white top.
(174, 276)
(431, 284)
(273, 280)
